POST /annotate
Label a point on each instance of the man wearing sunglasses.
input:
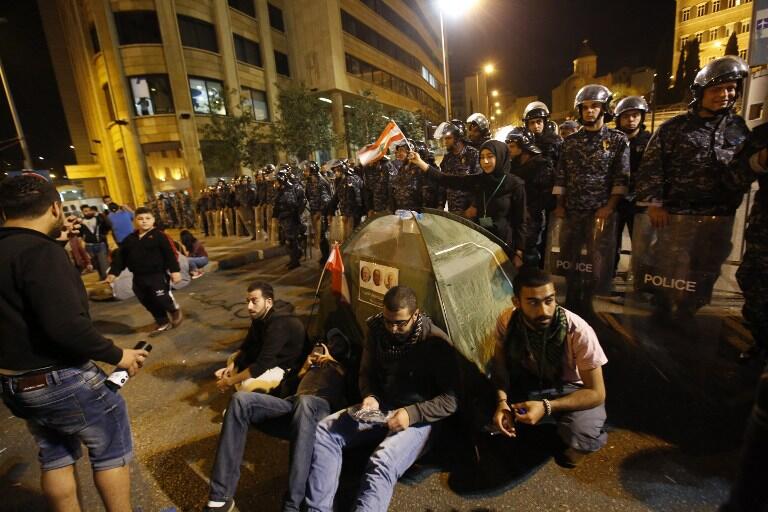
(406, 374)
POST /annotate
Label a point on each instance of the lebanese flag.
(378, 149)
(335, 266)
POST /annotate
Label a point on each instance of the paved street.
(676, 404)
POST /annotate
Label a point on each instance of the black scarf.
(389, 348)
(537, 352)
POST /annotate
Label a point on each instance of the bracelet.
(547, 407)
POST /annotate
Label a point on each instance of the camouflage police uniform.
(461, 164)
(245, 208)
(538, 174)
(288, 205)
(349, 200)
(682, 171)
(406, 188)
(626, 209)
(376, 178)
(593, 166)
(319, 194)
(550, 144)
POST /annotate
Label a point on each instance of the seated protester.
(195, 252)
(320, 392)
(548, 362)
(406, 380)
(273, 345)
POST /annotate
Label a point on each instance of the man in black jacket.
(320, 391)
(406, 380)
(272, 347)
(150, 255)
(46, 348)
(94, 228)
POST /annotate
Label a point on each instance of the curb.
(247, 258)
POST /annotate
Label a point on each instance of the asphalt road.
(677, 402)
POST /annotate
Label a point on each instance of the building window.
(281, 63)
(94, 38)
(276, 18)
(732, 3)
(360, 30)
(743, 54)
(715, 5)
(108, 101)
(683, 42)
(699, 36)
(257, 101)
(744, 27)
(197, 34)
(244, 6)
(429, 77)
(701, 10)
(151, 95)
(685, 15)
(247, 51)
(729, 29)
(207, 96)
(713, 34)
(137, 27)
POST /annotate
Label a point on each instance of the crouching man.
(406, 380)
(548, 366)
(320, 392)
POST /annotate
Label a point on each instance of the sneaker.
(161, 329)
(198, 274)
(176, 318)
(228, 506)
(570, 458)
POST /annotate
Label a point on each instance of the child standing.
(150, 255)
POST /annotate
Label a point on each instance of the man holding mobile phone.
(47, 373)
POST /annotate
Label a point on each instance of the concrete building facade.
(140, 78)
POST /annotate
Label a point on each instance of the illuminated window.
(151, 95)
(257, 101)
(207, 96)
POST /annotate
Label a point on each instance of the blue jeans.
(75, 408)
(98, 254)
(392, 457)
(247, 408)
(197, 262)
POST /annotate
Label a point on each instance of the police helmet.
(535, 110)
(422, 149)
(284, 176)
(725, 69)
(595, 92)
(270, 168)
(458, 123)
(448, 128)
(523, 138)
(551, 127)
(313, 167)
(481, 122)
(631, 103)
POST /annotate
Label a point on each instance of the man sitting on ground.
(407, 383)
(548, 362)
(273, 345)
(320, 392)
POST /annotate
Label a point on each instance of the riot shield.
(582, 248)
(677, 265)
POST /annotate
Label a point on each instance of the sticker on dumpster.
(374, 281)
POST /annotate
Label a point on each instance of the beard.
(57, 228)
(540, 323)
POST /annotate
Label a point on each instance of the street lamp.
(488, 69)
(455, 8)
(494, 93)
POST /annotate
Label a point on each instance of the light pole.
(488, 69)
(455, 7)
(14, 114)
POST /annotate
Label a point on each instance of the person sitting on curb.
(273, 345)
(548, 363)
(407, 382)
(321, 390)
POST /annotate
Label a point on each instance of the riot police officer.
(630, 118)
(376, 176)
(478, 130)
(406, 184)
(592, 176)
(460, 160)
(536, 120)
(289, 203)
(681, 176)
(318, 193)
(348, 196)
(432, 194)
(528, 163)
(568, 127)
(244, 201)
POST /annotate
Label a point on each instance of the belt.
(34, 379)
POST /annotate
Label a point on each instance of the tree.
(411, 123)
(365, 119)
(662, 79)
(732, 48)
(678, 91)
(304, 123)
(229, 140)
(692, 67)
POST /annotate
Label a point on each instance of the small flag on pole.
(335, 266)
(378, 149)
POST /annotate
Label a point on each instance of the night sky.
(531, 42)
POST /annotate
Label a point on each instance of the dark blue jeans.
(251, 408)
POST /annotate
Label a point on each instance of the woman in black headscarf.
(499, 204)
